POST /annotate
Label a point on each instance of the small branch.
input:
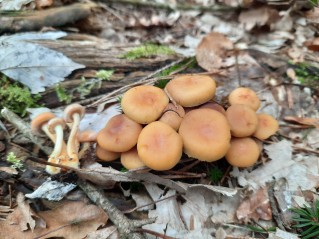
(126, 227)
(22, 126)
(273, 205)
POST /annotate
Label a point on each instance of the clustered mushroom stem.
(73, 144)
(48, 133)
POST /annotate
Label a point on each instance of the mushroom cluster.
(63, 153)
(157, 126)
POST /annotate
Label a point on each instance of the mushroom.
(214, 106)
(131, 160)
(173, 115)
(144, 103)
(243, 152)
(159, 146)
(205, 134)
(59, 154)
(191, 90)
(73, 114)
(245, 96)
(242, 119)
(120, 134)
(39, 124)
(267, 126)
(87, 136)
(106, 155)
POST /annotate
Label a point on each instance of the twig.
(273, 205)
(126, 227)
(156, 234)
(22, 126)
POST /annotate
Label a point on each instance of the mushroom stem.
(73, 143)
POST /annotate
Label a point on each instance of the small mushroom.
(144, 103)
(267, 126)
(206, 134)
(39, 124)
(245, 96)
(106, 155)
(131, 160)
(191, 90)
(59, 154)
(87, 136)
(119, 135)
(73, 114)
(159, 146)
(173, 115)
(242, 119)
(243, 152)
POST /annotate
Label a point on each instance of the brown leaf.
(304, 121)
(69, 221)
(313, 15)
(43, 3)
(255, 207)
(313, 44)
(258, 17)
(212, 49)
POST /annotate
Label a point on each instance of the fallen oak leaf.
(304, 121)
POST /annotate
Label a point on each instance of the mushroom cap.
(205, 134)
(87, 136)
(144, 103)
(242, 119)
(55, 122)
(73, 109)
(131, 160)
(39, 121)
(214, 106)
(267, 126)
(106, 155)
(245, 96)
(159, 146)
(173, 115)
(243, 152)
(191, 90)
(120, 134)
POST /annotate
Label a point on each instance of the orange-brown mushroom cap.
(39, 121)
(72, 109)
(214, 106)
(106, 155)
(191, 90)
(173, 115)
(144, 103)
(159, 146)
(245, 96)
(87, 136)
(131, 160)
(243, 152)
(120, 134)
(242, 119)
(267, 126)
(205, 134)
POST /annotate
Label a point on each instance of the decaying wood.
(100, 54)
(53, 17)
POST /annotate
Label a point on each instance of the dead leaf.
(258, 17)
(70, 220)
(212, 50)
(313, 15)
(304, 121)
(313, 44)
(43, 3)
(255, 207)
(9, 170)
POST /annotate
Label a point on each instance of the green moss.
(104, 74)
(307, 74)
(147, 50)
(215, 174)
(16, 97)
(12, 159)
(62, 94)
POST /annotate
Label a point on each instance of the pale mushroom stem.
(73, 143)
(55, 156)
(48, 133)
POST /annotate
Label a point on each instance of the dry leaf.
(212, 50)
(255, 207)
(313, 15)
(43, 3)
(70, 220)
(258, 17)
(313, 44)
(305, 121)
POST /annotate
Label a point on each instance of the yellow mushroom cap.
(243, 152)
(120, 134)
(106, 155)
(242, 120)
(159, 146)
(131, 160)
(205, 134)
(191, 90)
(267, 126)
(214, 106)
(245, 96)
(173, 115)
(144, 103)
